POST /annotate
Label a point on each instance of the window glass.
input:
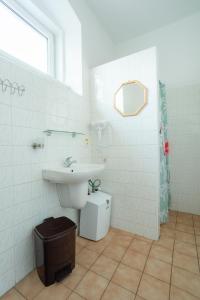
(23, 41)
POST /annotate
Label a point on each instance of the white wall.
(132, 158)
(184, 135)
(25, 199)
(178, 50)
(179, 67)
(98, 48)
(65, 18)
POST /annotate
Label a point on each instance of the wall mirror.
(130, 98)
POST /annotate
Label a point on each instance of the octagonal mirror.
(130, 98)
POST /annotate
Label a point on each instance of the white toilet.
(95, 216)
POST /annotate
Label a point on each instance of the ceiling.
(125, 19)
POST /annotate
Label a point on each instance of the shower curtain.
(164, 159)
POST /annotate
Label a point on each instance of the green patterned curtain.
(164, 159)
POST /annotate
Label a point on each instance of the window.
(24, 38)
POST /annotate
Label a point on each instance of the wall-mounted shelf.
(73, 133)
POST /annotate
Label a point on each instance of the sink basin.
(72, 182)
(74, 174)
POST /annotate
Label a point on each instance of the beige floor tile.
(92, 286)
(198, 240)
(122, 232)
(122, 240)
(104, 266)
(197, 224)
(161, 253)
(185, 248)
(134, 259)
(140, 246)
(198, 250)
(115, 292)
(185, 215)
(172, 219)
(197, 230)
(158, 269)
(168, 226)
(56, 291)
(165, 242)
(172, 212)
(177, 294)
(185, 220)
(168, 233)
(30, 286)
(81, 241)
(114, 251)
(184, 228)
(185, 237)
(187, 281)
(75, 277)
(75, 296)
(139, 298)
(12, 295)
(153, 289)
(97, 246)
(127, 277)
(196, 218)
(142, 238)
(111, 233)
(79, 247)
(86, 258)
(186, 262)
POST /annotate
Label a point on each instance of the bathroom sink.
(72, 182)
(74, 174)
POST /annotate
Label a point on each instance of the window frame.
(41, 29)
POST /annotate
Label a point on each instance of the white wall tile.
(5, 135)
(5, 114)
(132, 157)
(7, 239)
(6, 198)
(6, 177)
(6, 261)
(22, 193)
(184, 137)
(7, 281)
(25, 198)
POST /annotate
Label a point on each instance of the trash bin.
(55, 249)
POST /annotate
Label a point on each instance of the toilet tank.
(95, 216)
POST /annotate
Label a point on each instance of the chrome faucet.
(68, 162)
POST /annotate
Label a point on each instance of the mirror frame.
(145, 92)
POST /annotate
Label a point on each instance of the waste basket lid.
(52, 227)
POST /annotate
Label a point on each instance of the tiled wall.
(184, 136)
(25, 199)
(132, 156)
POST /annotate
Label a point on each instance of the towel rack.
(14, 87)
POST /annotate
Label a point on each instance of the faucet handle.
(68, 158)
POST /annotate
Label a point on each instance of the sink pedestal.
(73, 195)
(72, 182)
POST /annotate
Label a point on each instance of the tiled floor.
(124, 266)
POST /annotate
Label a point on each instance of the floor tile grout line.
(170, 282)
(117, 268)
(99, 254)
(88, 269)
(133, 268)
(120, 262)
(198, 257)
(19, 293)
(144, 269)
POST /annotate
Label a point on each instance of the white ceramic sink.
(74, 174)
(72, 182)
